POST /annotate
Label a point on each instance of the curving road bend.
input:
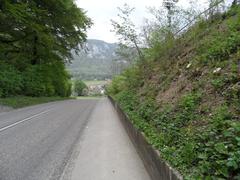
(67, 140)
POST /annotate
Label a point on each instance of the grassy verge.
(94, 83)
(23, 101)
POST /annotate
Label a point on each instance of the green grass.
(23, 101)
(90, 83)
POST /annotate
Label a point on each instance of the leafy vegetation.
(126, 30)
(185, 97)
(79, 87)
(36, 39)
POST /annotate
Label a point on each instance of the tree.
(37, 37)
(36, 29)
(169, 5)
(168, 21)
(79, 87)
(235, 2)
(126, 30)
(216, 6)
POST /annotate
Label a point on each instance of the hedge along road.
(74, 139)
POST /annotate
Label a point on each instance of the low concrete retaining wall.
(156, 167)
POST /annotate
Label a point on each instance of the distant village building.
(96, 90)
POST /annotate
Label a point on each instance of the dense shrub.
(46, 80)
(35, 80)
(34, 84)
(117, 85)
(10, 80)
(60, 79)
(79, 87)
(221, 47)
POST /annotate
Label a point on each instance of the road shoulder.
(5, 108)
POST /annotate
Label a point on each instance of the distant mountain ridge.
(95, 61)
(100, 49)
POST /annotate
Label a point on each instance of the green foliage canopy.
(79, 87)
(36, 39)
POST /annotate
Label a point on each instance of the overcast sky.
(102, 11)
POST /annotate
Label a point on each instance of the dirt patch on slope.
(177, 87)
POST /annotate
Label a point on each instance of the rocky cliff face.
(95, 61)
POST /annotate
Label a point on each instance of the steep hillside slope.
(186, 98)
(95, 62)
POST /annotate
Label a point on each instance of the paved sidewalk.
(105, 151)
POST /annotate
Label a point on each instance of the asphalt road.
(38, 143)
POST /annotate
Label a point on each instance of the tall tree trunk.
(235, 2)
(35, 51)
(140, 54)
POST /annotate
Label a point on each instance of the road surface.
(74, 139)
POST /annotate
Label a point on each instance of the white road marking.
(22, 121)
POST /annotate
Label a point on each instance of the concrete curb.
(157, 168)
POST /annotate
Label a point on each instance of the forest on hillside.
(36, 40)
(183, 91)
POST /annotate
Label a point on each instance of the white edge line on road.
(22, 121)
